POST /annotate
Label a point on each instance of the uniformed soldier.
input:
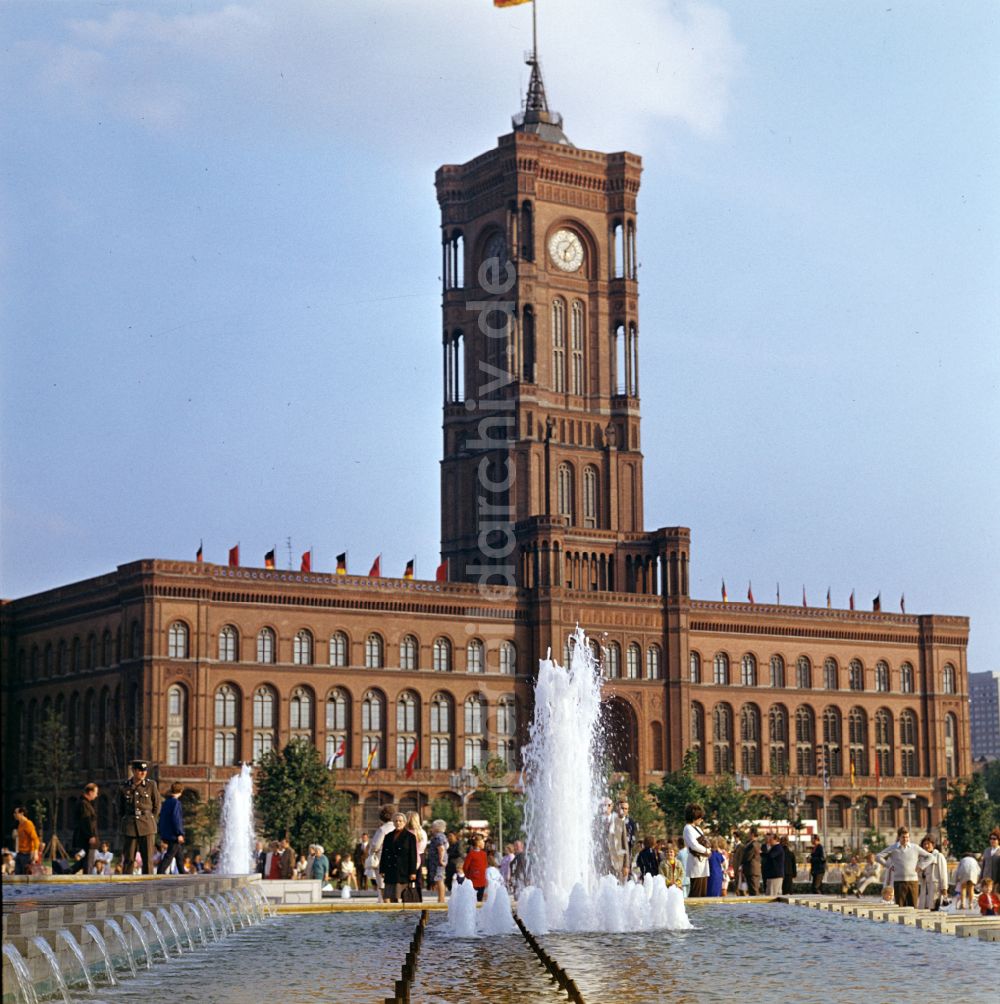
(139, 807)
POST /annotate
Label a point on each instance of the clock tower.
(541, 477)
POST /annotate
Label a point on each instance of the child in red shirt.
(989, 901)
(474, 866)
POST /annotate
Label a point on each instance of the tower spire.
(535, 115)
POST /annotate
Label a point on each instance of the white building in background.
(984, 706)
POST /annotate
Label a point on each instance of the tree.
(494, 773)
(297, 797)
(991, 780)
(725, 805)
(446, 809)
(202, 821)
(678, 790)
(50, 767)
(642, 807)
(969, 816)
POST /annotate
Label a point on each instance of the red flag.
(852, 599)
(408, 572)
(902, 603)
(375, 571)
(307, 561)
(750, 592)
(804, 597)
(199, 556)
(877, 604)
(725, 595)
(269, 559)
(234, 556)
(828, 602)
(412, 762)
(441, 575)
(342, 563)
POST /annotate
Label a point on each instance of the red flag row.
(375, 572)
(876, 603)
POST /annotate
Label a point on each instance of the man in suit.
(287, 859)
(817, 864)
(751, 863)
(631, 833)
(85, 836)
(773, 865)
(172, 830)
(139, 809)
(359, 856)
(616, 838)
(991, 859)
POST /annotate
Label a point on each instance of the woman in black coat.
(398, 861)
(791, 866)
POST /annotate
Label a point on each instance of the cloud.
(383, 73)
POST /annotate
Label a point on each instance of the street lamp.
(908, 797)
(465, 782)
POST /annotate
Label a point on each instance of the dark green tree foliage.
(513, 814)
(642, 807)
(969, 816)
(991, 780)
(50, 766)
(678, 789)
(202, 821)
(297, 797)
(445, 808)
(726, 805)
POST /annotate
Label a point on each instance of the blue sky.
(219, 291)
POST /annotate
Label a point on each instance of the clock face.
(566, 250)
(496, 247)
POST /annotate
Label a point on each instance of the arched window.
(748, 671)
(856, 675)
(372, 726)
(722, 739)
(577, 328)
(300, 713)
(948, 679)
(176, 724)
(750, 739)
(883, 743)
(474, 656)
(408, 649)
(374, 651)
(338, 726)
(830, 681)
(833, 742)
(908, 743)
(441, 654)
(441, 732)
(777, 721)
(906, 678)
(61, 658)
(950, 745)
(302, 648)
(91, 652)
(338, 649)
(720, 670)
(613, 661)
(777, 671)
(654, 660)
(106, 655)
(805, 741)
(407, 727)
(633, 660)
(803, 673)
(228, 644)
(882, 677)
(698, 736)
(506, 730)
(694, 667)
(177, 641)
(227, 724)
(76, 661)
(265, 721)
(565, 491)
(508, 658)
(475, 730)
(559, 345)
(265, 645)
(857, 737)
(591, 497)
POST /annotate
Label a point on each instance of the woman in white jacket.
(698, 849)
(933, 878)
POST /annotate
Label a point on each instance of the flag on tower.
(750, 592)
(804, 596)
(375, 572)
(408, 571)
(902, 603)
(199, 554)
(852, 599)
(510, 3)
(307, 561)
(778, 593)
(331, 762)
(342, 563)
(877, 604)
(853, 779)
(234, 556)
(371, 759)
(828, 601)
(441, 575)
(269, 559)
(412, 760)
(725, 595)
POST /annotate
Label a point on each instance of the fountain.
(46, 949)
(179, 914)
(102, 947)
(237, 857)
(168, 920)
(564, 791)
(25, 988)
(147, 916)
(66, 937)
(112, 924)
(137, 927)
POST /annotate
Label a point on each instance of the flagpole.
(534, 30)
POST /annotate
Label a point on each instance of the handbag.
(411, 893)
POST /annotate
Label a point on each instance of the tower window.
(559, 345)
(576, 348)
(565, 491)
(591, 511)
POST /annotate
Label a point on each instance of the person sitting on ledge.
(989, 901)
